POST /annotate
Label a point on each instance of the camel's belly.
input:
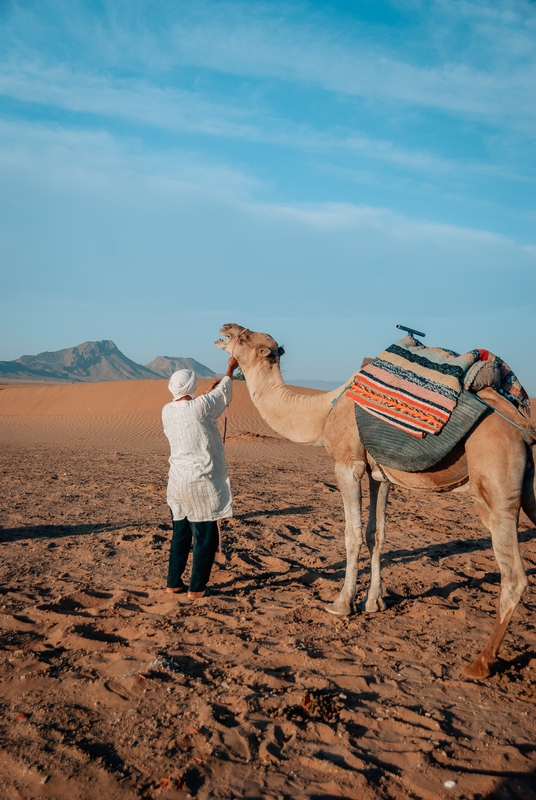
(446, 476)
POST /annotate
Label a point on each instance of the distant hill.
(90, 361)
(103, 361)
(165, 366)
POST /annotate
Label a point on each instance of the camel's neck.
(298, 417)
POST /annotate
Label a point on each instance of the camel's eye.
(280, 351)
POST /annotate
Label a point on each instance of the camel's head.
(248, 347)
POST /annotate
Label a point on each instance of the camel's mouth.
(229, 332)
(223, 342)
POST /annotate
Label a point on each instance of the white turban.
(182, 383)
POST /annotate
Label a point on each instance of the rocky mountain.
(90, 361)
(165, 366)
(94, 362)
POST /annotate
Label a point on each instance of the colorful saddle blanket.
(392, 447)
(416, 388)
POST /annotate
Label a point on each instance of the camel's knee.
(514, 585)
(370, 546)
(498, 507)
(359, 470)
(511, 590)
(376, 519)
(353, 540)
(370, 533)
(374, 540)
(513, 578)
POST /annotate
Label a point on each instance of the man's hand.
(232, 364)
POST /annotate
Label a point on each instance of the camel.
(495, 461)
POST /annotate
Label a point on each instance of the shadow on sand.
(445, 549)
(514, 786)
(63, 531)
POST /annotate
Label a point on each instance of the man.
(199, 491)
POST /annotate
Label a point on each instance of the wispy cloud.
(147, 104)
(471, 60)
(60, 155)
(121, 98)
(476, 58)
(75, 158)
(479, 77)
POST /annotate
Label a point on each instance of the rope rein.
(236, 340)
(224, 437)
(511, 421)
(225, 424)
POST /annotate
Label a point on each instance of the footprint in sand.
(65, 605)
(117, 688)
(94, 634)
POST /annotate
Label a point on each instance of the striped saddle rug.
(392, 447)
(416, 388)
(413, 403)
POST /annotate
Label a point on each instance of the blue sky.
(320, 171)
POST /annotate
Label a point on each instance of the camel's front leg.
(349, 482)
(375, 538)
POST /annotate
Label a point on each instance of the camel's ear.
(264, 351)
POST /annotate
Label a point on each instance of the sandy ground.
(113, 689)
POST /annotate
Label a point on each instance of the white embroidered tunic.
(198, 483)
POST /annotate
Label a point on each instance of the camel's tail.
(528, 497)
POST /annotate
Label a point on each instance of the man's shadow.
(62, 531)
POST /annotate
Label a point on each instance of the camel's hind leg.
(496, 479)
(349, 482)
(375, 535)
(513, 582)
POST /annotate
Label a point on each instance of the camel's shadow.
(446, 549)
(444, 591)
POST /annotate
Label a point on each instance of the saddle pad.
(392, 447)
(415, 388)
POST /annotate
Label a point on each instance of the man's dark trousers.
(205, 539)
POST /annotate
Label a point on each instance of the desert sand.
(113, 689)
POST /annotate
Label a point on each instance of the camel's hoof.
(477, 671)
(340, 609)
(372, 606)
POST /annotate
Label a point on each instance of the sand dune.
(113, 397)
(115, 414)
